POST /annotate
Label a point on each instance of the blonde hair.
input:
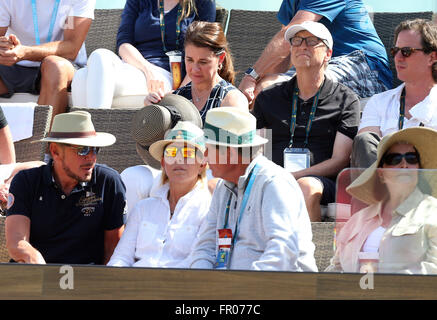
(188, 7)
(201, 176)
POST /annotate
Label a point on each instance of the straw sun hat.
(184, 132)
(232, 127)
(150, 123)
(365, 187)
(76, 128)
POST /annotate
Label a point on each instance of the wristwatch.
(251, 72)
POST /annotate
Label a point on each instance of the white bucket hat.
(76, 128)
(183, 131)
(231, 126)
(315, 28)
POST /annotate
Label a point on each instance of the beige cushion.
(132, 101)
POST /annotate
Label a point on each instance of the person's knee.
(101, 57)
(312, 188)
(56, 70)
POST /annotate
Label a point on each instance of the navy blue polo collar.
(49, 180)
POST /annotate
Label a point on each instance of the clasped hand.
(10, 50)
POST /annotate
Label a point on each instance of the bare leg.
(3, 88)
(312, 190)
(56, 76)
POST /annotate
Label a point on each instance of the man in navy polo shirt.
(70, 210)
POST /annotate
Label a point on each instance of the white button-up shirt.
(152, 239)
(382, 110)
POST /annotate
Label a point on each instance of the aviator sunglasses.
(393, 159)
(405, 51)
(187, 152)
(84, 151)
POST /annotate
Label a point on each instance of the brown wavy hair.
(210, 35)
(428, 33)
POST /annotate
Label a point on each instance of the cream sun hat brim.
(183, 132)
(76, 128)
(423, 139)
(231, 127)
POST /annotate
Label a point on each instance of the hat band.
(186, 136)
(68, 135)
(227, 137)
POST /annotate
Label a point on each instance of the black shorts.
(329, 188)
(20, 79)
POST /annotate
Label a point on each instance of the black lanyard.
(162, 24)
(402, 111)
(294, 113)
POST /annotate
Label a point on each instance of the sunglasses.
(84, 151)
(187, 152)
(393, 159)
(405, 51)
(310, 41)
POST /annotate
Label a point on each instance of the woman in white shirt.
(161, 229)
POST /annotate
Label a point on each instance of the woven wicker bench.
(4, 255)
(25, 150)
(122, 153)
(323, 239)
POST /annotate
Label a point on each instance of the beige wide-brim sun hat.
(150, 123)
(231, 127)
(365, 188)
(182, 132)
(76, 128)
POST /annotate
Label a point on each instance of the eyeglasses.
(187, 152)
(406, 51)
(310, 41)
(84, 151)
(393, 159)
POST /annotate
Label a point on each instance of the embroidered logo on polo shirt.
(87, 211)
(89, 199)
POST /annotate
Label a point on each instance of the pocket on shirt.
(405, 230)
(183, 238)
(146, 234)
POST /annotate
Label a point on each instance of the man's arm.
(67, 48)
(275, 57)
(331, 167)
(17, 240)
(7, 150)
(110, 242)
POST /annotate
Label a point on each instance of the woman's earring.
(220, 66)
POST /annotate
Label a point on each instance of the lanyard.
(52, 21)
(402, 110)
(249, 185)
(162, 24)
(294, 113)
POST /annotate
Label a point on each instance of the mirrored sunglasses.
(393, 159)
(405, 51)
(84, 151)
(187, 152)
